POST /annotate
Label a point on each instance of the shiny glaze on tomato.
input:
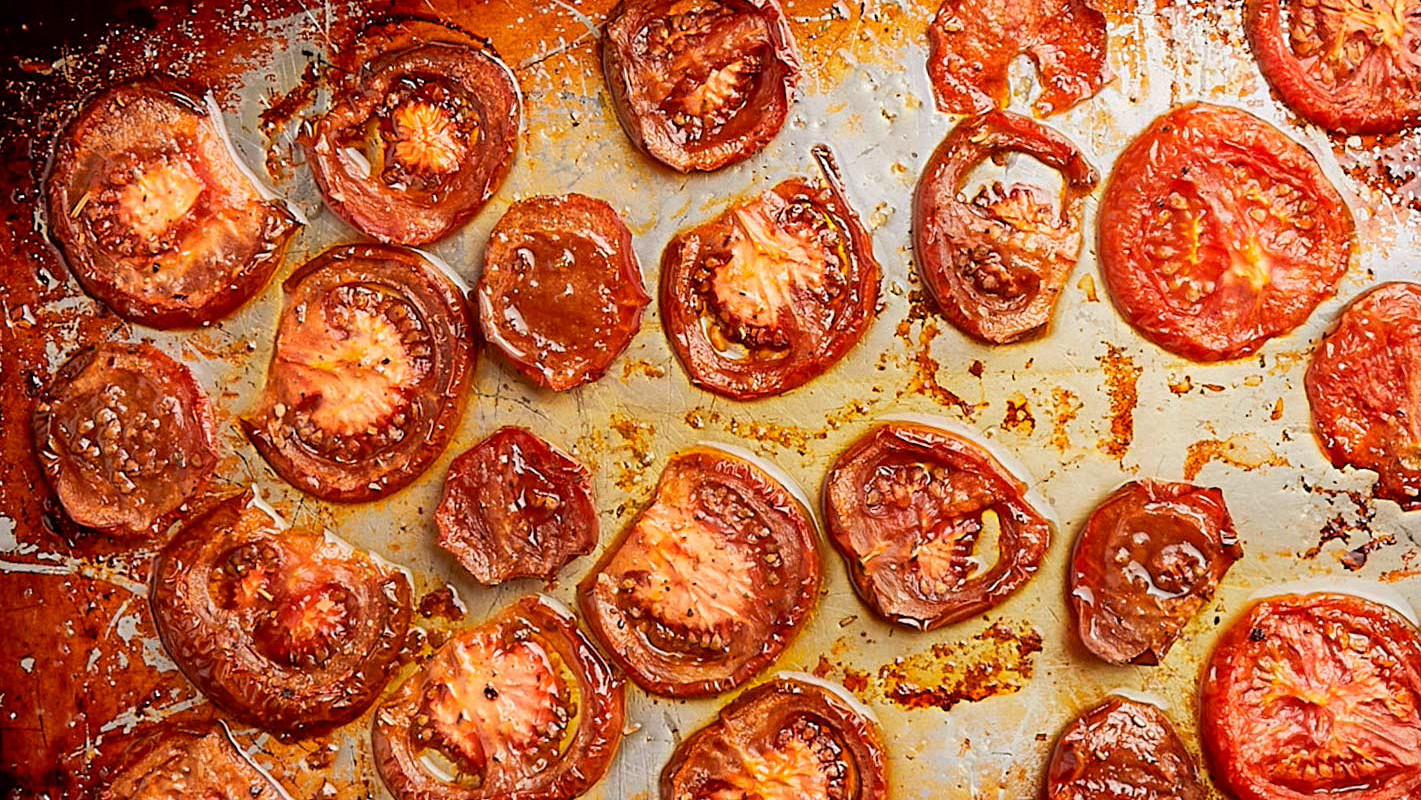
(1122, 750)
(183, 762)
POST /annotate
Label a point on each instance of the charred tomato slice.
(1218, 232)
(287, 630)
(700, 84)
(1352, 66)
(1122, 750)
(1364, 387)
(996, 263)
(1315, 696)
(788, 739)
(154, 216)
(771, 293)
(561, 294)
(370, 374)
(932, 527)
(516, 507)
(972, 44)
(181, 762)
(710, 583)
(124, 435)
(522, 706)
(420, 133)
(1147, 560)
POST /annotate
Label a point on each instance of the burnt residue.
(1065, 407)
(1243, 450)
(997, 661)
(1121, 379)
(1354, 515)
(1018, 418)
(441, 604)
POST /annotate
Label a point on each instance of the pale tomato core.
(160, 195)
(696, 579)
(792, 771)
(768, 265)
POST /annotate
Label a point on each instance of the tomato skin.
(180, 762)
(757, 721)
(467, 121)
(1355, 105)
(1299, 684)
(129, 401)
(1266, 248)
(599, 709)
(631, 72)
(1180, 540)
(516, 507)
(888, 553)
(439, 361)
(224, 644)
(960, 244)
(810, 331)
(690, 557)
(181, 253)
(972, 44)
(561, 325)
(1122, 750)
(1364, 411)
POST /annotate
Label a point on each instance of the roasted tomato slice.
(374, 355)
(522, 706)
(1122, 750)
(419, 135)
(1364, 386)
(1149, 557)
(1348, 65)
(1218, 232)
(771, 293)
(561, 294)
(700, 84)
(516, 507)
(996, 263)
(187, 762)
(788, 739)
(288, 630)
(711, 582)
(933, 529)
(1315, 696)
(972, 44)
(124, 434)
(154, 216)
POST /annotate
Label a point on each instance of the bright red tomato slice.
(522, 706)
(700, 84)
(1218, 232)
(374, 354)
(1364, 387)
(1122, 750)
(973, 43)
(152, 214)
(996, 263)
(1348, 65)
(1312, 697)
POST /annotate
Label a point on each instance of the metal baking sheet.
(969, 711)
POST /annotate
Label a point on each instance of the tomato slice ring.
(370, 374)
(1218, 232)
(907, 506)
(773, 292)
(287, 630)
(996, 264)
(189, 761)
(153, 215)
(972, 44)
(1315, 696)
(1150, 556)
(1122, 746)
(521, 706)
(788, 739)
(700, 84)
(124, 435)
(1350, 66)
(516, 507)
(1365, 411)
(421, 135)
(710, 582)
(561, 294)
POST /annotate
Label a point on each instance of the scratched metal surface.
(1084, 408)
